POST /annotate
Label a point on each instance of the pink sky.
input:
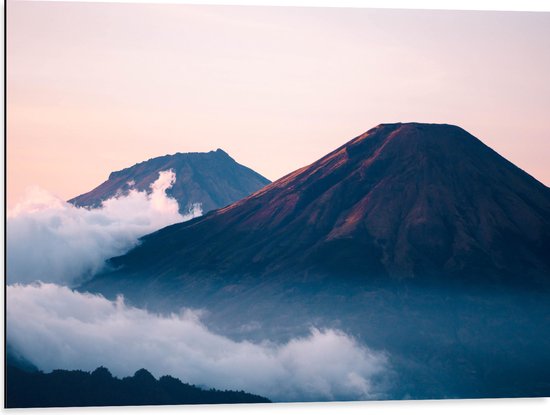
(96, 87)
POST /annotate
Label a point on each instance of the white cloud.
(55, 327)
(53, 241)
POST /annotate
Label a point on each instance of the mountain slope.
(212, 179)
(416, 239)
(402, 200)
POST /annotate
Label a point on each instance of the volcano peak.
(401, 200)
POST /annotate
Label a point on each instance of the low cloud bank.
(56, 328)
(51, 240)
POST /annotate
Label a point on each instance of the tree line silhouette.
(66, 388)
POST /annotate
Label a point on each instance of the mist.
(54, 327)
(51, 240)
(54, 245)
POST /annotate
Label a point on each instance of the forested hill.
(64, 388)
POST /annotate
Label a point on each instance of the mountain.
(212, 179)
(70, 388)
(416, 239)
(400, 201)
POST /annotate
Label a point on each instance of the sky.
(96, 87)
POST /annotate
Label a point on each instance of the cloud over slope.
(51, 240)
(55, 327)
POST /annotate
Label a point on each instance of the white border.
(525, 5)
(456, 407)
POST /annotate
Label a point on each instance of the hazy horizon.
(95, 87)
